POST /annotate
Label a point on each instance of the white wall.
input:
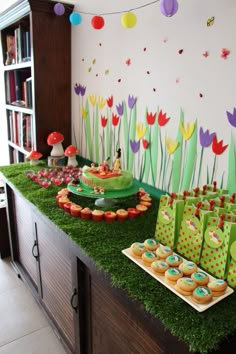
(213, 77)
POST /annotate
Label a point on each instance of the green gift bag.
(168, 220)
(231, 273)
(189, 242)
(218, 237)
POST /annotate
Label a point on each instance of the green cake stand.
(108, 198)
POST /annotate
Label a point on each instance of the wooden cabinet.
(43, 257)
(36, 47)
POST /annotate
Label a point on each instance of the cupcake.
(97, 215)
(147, 204)
(62, 201)
(148, 257)
(109, 216)
(67, 206)
(75, 209)
(164, 251)
(137, 248)
(174, 260)
(151, 244)
(122, 214)
(146, 198)
(86, 213)
(132, 213)
(141, 208)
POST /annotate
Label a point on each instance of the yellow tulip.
(101, 102)
(84, 113)
(187, 130)
(140, 130)
(171, 145)
(92, 100)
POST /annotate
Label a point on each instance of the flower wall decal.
(146, 151)
(232, 117)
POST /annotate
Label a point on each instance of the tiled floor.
(24, 328)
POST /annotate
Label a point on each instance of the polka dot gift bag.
(218, 238)
(231, 273)
(169, 219)
(190, 238)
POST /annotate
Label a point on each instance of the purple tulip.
(131, 101)
(77, 89)
(82, 90)
(168, 7)
(135, 145)
(206, 138)
(232, 117)
(120, 109)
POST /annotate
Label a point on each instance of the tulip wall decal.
(169, 7)
(205, 141)
(218, 148)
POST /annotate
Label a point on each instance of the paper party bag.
(189, 242)
(168, 220)
(231, 272)
(215, 257)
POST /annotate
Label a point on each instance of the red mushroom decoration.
(34, 157)
(71, 152)
(55, 140)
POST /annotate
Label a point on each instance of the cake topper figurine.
(116, 165)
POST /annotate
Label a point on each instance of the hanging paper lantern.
(97, 22)
(169, 7)
(75, 18)
(128, 20)
(59, 9)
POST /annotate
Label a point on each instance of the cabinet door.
(25, 245)
(55, 262)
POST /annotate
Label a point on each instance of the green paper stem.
(171, 171)
(208, 176)
(150, 153)
(126, 134)
(107, 132)
(222, 180)
(96, 135)
(200, 166)
(213, 169)
(177, 157)
(231, 178)
(161, 164)
(189, 160)
(88, 132)
(132, 131)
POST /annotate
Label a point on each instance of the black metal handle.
(73, 296)
(33, 250)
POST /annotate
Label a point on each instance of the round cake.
(109, 180)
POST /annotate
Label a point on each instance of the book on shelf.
(28, 131)
(26, 55)
(11, 53)
(28, 92)
(15, 87)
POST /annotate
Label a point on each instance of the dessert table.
(167, 322)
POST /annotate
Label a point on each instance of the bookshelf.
(36, 66)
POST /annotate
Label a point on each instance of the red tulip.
(145, 143)
(103, 121)
(115, 119)
(110, 101)
(151, 118)
(217, 147)
(162, 120)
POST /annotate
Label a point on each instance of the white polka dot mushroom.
(34, 157)
(55, 140)
(71, 152)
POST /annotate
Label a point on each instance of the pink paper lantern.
(97, 22)
(169, 7)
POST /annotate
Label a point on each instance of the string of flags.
(128, 18)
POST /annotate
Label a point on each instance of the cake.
(106, 179)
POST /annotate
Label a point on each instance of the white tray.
(199, 307)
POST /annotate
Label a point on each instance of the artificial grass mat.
(103, 242)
